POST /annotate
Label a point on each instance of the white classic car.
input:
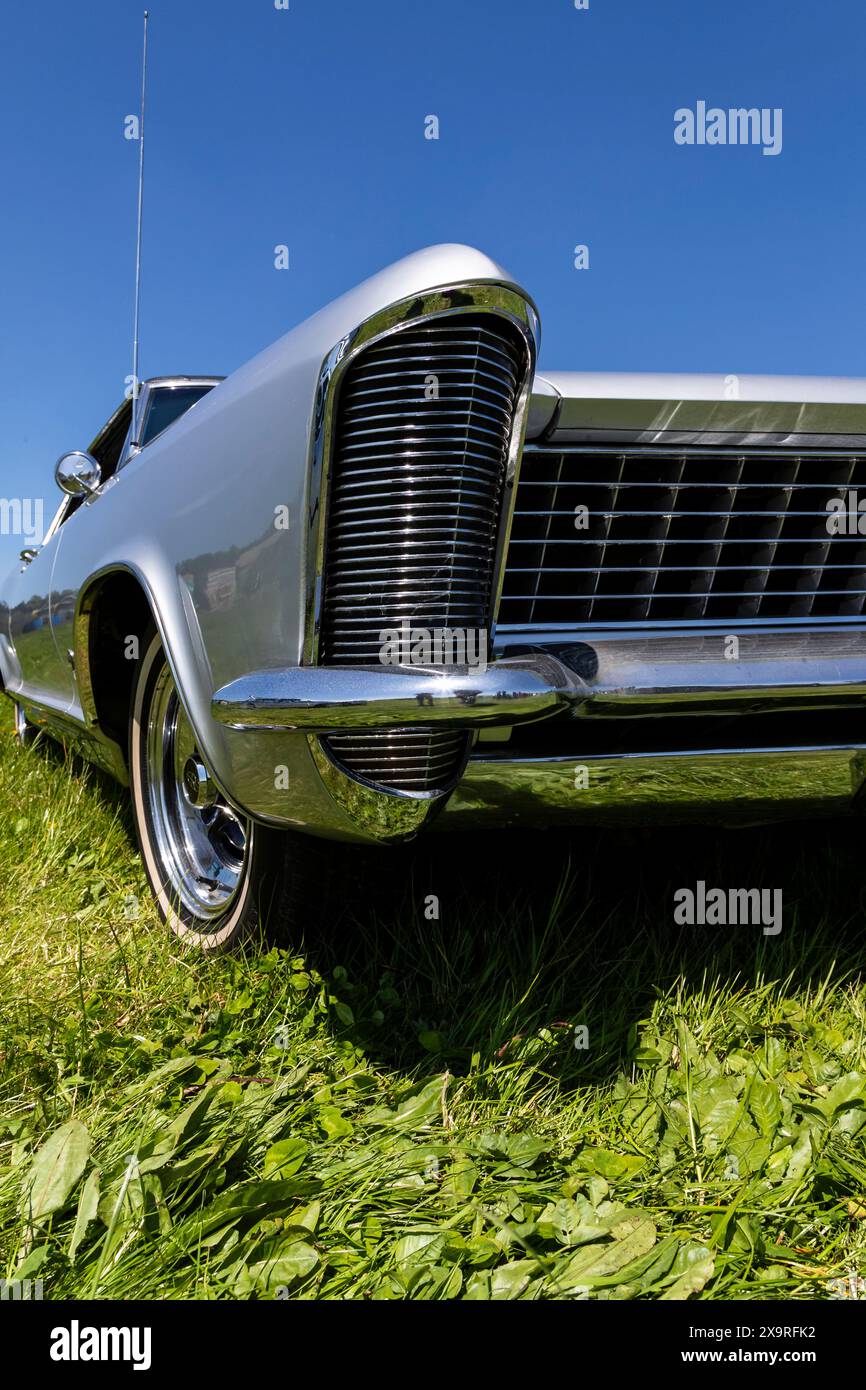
(385, 577)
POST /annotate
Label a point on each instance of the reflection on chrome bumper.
(324, 699)
(706, 786)
(672, 672)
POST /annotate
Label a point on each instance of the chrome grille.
(422, 430)
(680, 536)
(416, 484)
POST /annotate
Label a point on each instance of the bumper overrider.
(331, 699)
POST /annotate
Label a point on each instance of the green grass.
(399, 1109)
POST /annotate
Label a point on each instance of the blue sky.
(306, 127)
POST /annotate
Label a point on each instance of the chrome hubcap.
(201, 840)
(198, 786)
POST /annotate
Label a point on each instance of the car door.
(109, 449)
(35, 669)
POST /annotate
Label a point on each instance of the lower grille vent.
(412, 760)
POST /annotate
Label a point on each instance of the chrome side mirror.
(78, 474)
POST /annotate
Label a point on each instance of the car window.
(106, 449)
(109, 442)
(167, 404)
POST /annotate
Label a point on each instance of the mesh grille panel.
(682, 536)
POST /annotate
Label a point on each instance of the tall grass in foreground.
(399, 1109)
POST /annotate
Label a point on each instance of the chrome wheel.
(201, 842)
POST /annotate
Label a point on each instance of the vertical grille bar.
(667, 528)
(606, 525)
(726, 515)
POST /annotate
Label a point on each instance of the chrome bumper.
(699, 786)
(680, 671)
(607, 675)
(577, 696)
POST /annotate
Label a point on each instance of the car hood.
(667, 407)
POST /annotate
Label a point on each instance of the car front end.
(651, 588)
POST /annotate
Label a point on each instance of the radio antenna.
(135, 382)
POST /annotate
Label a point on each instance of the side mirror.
(78, 474)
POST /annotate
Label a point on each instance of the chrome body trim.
(87, 743)
(24, 730)
(155, 382)
(543, 407)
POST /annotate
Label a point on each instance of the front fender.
(214, 520)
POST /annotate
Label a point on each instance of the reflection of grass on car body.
(42, 657)
(399, 1109)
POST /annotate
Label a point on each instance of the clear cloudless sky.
(306, 127)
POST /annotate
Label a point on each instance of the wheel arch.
(119, 602)
(114, 607)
